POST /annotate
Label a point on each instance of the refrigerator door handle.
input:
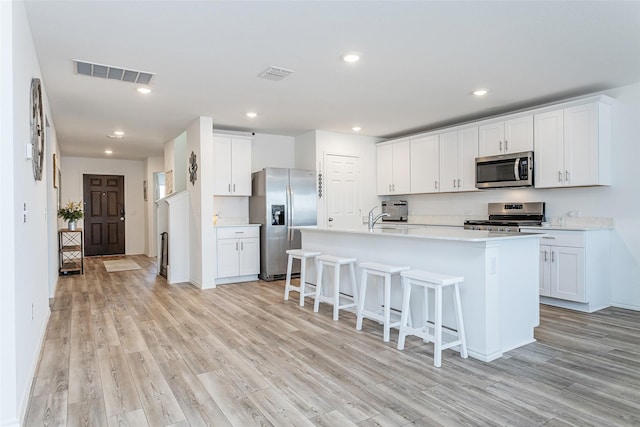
(289, 216)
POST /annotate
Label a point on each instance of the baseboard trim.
(626, 306)
(26, 393)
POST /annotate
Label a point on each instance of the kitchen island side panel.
(499, 294)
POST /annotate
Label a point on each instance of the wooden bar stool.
(385, 272)
(336, 263)
(437, 282)
(303, 256)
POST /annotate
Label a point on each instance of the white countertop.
(543, 228)
(237, 225)
(435, 233)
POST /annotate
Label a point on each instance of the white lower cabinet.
(238, 254)
(574, 269)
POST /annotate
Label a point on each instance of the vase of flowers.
(71, 213)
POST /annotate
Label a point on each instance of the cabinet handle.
(553, 256)
(559, 176)
(566, 175)
(394, 187)
(500, 146)
(389, 187)
(234, 188)
(229, 188)
(435, 184)
(545, 256)
(454, 183)
(242, 246)
(458, 183)
(506, 145)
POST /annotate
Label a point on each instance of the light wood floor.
(126, 349)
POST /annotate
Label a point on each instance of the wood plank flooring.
(126, 349)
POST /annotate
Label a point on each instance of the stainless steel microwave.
(505, 170)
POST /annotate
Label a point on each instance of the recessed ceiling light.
(252, 115)
(351, 57)
(144, 90)
(480, 92)
(356, 128)
(118, 133)
(116, 136)
(108, 152)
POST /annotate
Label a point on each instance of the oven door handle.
(516, 169)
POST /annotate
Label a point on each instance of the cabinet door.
(545, 270)
(567, 273)
(425, 165)
(449, 161)
(384, 169)
(467, 153)
(228, 257)
(401, 168)
(549, 149)
(581, 145)
(241, 167)
(518, 135)
(249, 257)
(490, 139)
(222, 166)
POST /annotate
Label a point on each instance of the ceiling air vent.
(275, 73)
(113, 73)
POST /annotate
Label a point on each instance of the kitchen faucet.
(373, 220)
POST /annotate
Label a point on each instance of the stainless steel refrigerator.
(281, 198)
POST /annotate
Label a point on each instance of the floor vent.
(275, 73)
(111, 72)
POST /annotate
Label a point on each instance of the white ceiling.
(420, 61)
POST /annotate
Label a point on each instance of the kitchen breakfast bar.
(500, 301)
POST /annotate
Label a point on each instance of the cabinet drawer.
(237, 232)
(564, 238)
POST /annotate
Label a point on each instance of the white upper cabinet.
(232, 166)
(425, 164)
(507, 136)
(458, 151)
(467, 153)
(572, 146)
(394, 168)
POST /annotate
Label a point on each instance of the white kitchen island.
(500, 301)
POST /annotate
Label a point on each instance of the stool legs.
(336, 292)
(458, 308)
(387, 307)
(303, 279)
(363, 291)
(404, 320)
(437, 344)
(316, 304)
(287, 286)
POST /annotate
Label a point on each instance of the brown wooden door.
(104, 214)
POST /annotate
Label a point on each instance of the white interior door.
(343, 187)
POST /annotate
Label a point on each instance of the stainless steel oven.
(509, 217)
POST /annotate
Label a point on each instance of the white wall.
(9, 405)
(202, 232)
(133, 170)
(620, 201)
(349, 145)
(274, 151)
(152, 165)
(25, 270)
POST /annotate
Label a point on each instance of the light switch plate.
(29, 152)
